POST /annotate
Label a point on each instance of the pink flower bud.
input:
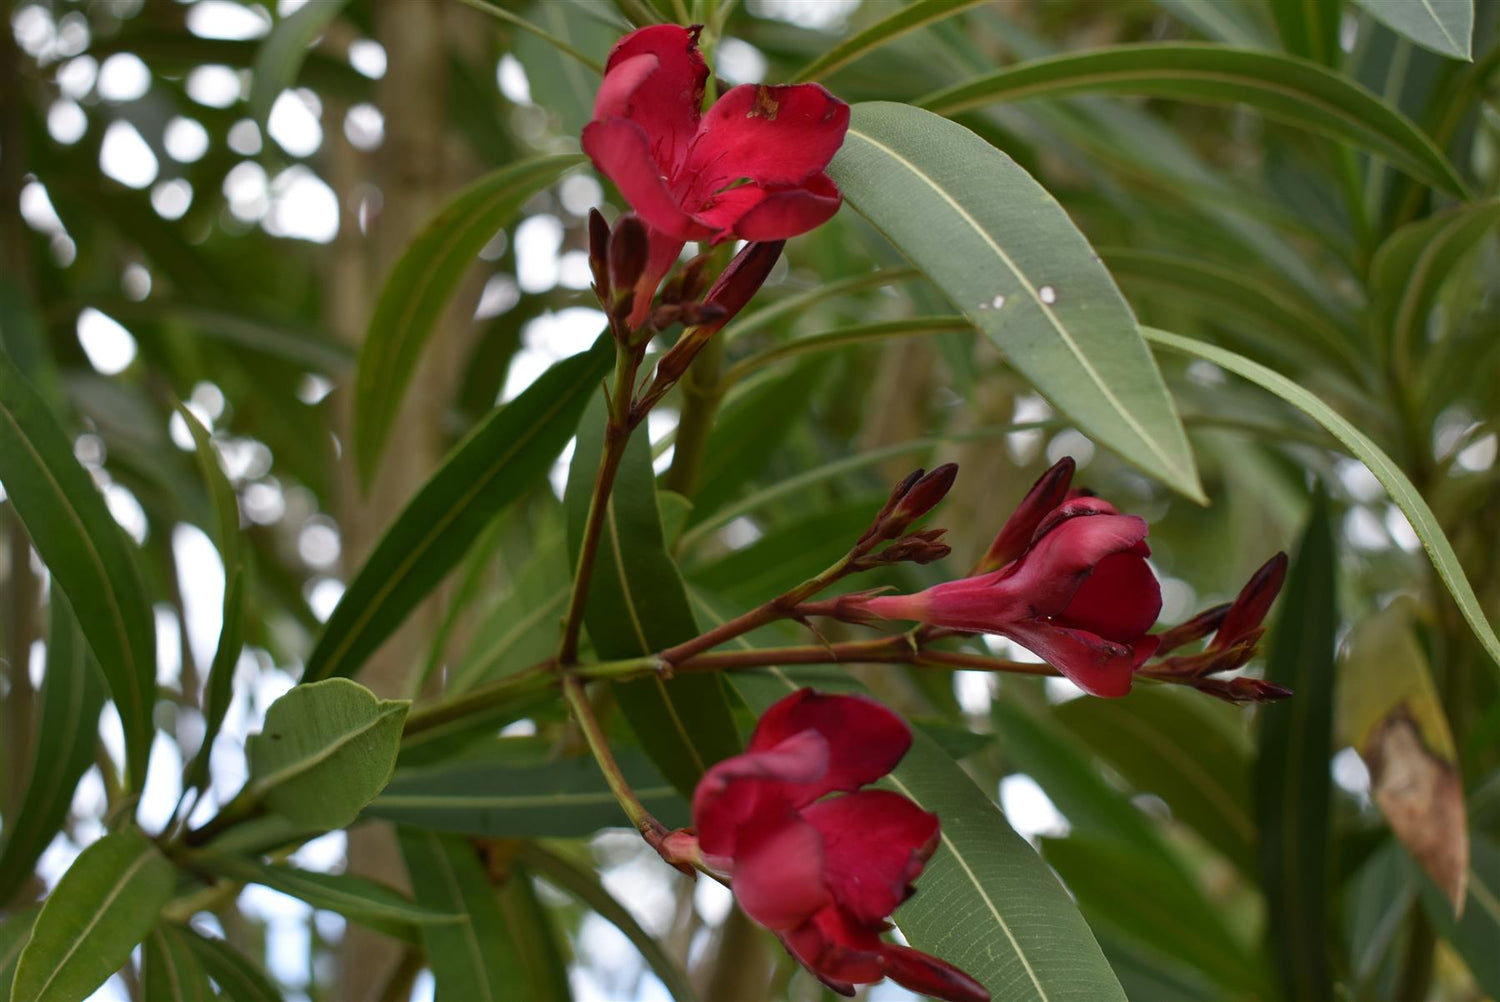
(1050, 490)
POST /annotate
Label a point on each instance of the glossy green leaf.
(1165, 742)
(102, 907)
(15, 931)
(327, 748)
(85, 551)
(1285, 88)
(1396, 483)
(1476, 932)
(906, 18)
(365, 901)
(171, 970)
(67, 735)
(1413, 263)
(280, 56)
(581, 881)
(219, 689)
(418, 289)
(1293, 786)
(238, 979)
(986, 901)
(637, 604)
(1008, 256)
(1443, 26)
(521, 628)
(476, 958)
(501, 459)
(504, 787)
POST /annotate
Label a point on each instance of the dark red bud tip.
(688, 284)
(744, 277)
(928, 975)
(1242, 690)
(629, 247)
(925, 494)
(1253, 602)
(1196, 628)
(1049, 491)
(599, 252)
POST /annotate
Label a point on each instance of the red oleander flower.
(751, 168)
(824, 873)
(1071, 584)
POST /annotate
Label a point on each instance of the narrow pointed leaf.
(15, 932)
(1396, 483)
(327, 748)
(637, 604)
(171, 970)
(1288, 89)
(238, 979)
(280, 56)
(418, 289)
(73, 693)
(86, 552)
(1293, 786)
(102, 907)
(499, 461)
(907, 18)
(1443, 26)
(1309, 29)
(1008, 256)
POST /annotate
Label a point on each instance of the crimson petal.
(927, 975)
(1053, 569)
(786, 212)
(1120, 600)
(773, 136)
(666, 101)
(865, 740)
(621, 150)
(875, 844)
(778, 871)
(734, 791)
(1098, 666)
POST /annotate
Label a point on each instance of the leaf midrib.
(299, 766)
(143, 856)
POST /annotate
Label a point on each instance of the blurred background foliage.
(203, 198)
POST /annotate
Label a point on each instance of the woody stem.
(583, 711)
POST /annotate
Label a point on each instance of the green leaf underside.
(1396, 483)
(73, 693)
(101, 908)
(637, 604)
(238, 979)
(491, 790)
(1286, 88)
(1293, 786)
(171, 970)
(86, 553)
(504, 457)
(327, 748)
(999, 246)
(15, 931)
(908, 18)
(419, 287)
(1444, 26)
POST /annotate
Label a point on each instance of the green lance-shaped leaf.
(637, 604)
(1167, 743)
(569, 83)
(1293, 786)
(907, 18)
(15, 932)
(1413, 263)
(1285, 88)
(365, 901)
(475, 959)
(501, 459)
(171, 970)
(1390, 711)
(280, 56)
(327, 748)
(102, 907)
(1476, 932)
(1308, 29)
(85, 551)
(73, 693)
(504, 788)
(1443, 26)
(418, 289)
(1009, 257)
(220, 687)
(986, 902)
(238, 979)
(1396, 483)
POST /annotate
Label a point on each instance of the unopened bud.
(1253, 602)
(599, 253)
(1242, 689)
(1050, 490)
(918, 548)
(700, 315)
(914, 497)
(629, 247)
(688, 284)
(1196, 628)
(744, 277)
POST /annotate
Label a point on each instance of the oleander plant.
(733, 500)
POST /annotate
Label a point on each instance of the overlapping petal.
(875, 844)
(865, 740)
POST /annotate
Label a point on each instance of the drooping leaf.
(504, 787)
(1288, 89)
(907, 18)
(171, 970)
(418, 289)
(327, 748)
(637, 604)
(1443, 26)
(280, 56)
(67, 734)
(1009, 257)
(1390, 711)
(1396, 483)
(1293, 786)
(86, 552)
(102, 907)
(510, 452)
(238, 979)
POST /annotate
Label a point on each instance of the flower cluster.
(823, 872)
